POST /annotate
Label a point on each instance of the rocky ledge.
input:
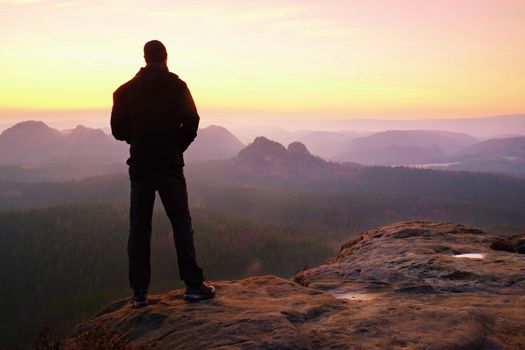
(410, 285)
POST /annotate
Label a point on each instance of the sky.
(396, 59)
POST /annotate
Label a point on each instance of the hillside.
(34, 143)
(32, 151)
(328, 144)
(268, 163)
(271, 182)
(404, 147)
(213, 142)
(499, 155)
(498, 147)
(485, 127)
(406, 285)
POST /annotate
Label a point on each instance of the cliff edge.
(409, 285)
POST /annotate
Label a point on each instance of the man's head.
(155, 52)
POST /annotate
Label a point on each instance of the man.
(155, 114)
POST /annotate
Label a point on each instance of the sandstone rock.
(513, 244)
(503, 244)
(298, 148)
(411, 285)
(264, 157)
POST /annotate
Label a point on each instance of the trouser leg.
(141, 212)
(174, 196)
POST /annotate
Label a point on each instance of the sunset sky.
(266, 59)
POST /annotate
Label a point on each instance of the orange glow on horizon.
(374, 59)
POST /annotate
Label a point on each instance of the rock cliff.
(264, 160)
(410, 285)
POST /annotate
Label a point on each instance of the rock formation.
(265, 158)
(410, 285)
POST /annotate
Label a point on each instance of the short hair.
(155, 51)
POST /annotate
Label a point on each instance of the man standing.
(155, 114)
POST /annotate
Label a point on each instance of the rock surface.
(410, 285)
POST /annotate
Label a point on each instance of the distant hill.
(328, 144)
(500, 155)
(404, 147)
(213, 142)
(509, 148)
(33, 151)
(268, 180)
(265, 163)
(478, 127)
(34, 143)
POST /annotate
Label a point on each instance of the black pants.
(171, 185)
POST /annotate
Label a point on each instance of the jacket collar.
(157, 66)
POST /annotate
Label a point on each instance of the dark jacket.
(155, 113)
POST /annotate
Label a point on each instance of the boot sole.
(193, 297)
(199, 297)
(137, 304)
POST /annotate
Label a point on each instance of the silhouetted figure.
(154, 112)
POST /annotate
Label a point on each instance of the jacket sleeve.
(190, 120)
(120, 119)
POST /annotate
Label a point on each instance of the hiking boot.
(140, 298)
(201, 292)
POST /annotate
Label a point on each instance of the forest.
(61, 264)
(376, 195)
